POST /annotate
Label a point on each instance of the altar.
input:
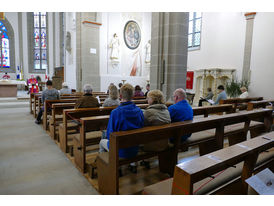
(8, 88)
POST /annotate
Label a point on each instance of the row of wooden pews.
(77, 130)
(220, 172)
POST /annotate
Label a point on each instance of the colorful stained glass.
(5, 57)
(37, 54)
(36, 33)
(5, 53)
(5, 43)
(43, 44)
(44, 54)
(43, 33)
(40, 40)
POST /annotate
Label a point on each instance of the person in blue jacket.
(126, 116)
(181, 110)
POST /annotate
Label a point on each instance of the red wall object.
(189, 80)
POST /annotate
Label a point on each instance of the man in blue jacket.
(181, 110)
(126, 116)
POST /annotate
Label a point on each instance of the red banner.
(189, 80)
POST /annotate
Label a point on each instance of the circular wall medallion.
(132, 34)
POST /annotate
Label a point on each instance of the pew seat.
(210, 185)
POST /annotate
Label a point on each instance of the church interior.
(211, 73)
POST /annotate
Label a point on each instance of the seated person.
(65, 89)
(138, 91)
(126, 116)
(113, 99)
(88, 100)
(244, 92)
(49, 94)
(148, 88)
(111, 84)
(181, 110)
(208, 96)
(156, 114)
(221, 94)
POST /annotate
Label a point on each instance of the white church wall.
(262, 61)
(70, 57)
(222, 43)
(114, 73)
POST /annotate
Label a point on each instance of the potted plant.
(233, 87)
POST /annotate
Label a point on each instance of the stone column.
(248, 45)
(87, 35)
(169, 51)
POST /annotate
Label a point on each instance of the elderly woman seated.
(113, 99)
(88, 100)
(156, 114)
(65, 89)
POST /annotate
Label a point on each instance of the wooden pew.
(220, 172)
(31, 102)
(76, 114)
(48, 106)
(35, 104)
(108, 163)
(57, 109)
(240, 103)
(80, 155)
(259, 104)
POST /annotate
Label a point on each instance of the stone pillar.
(169, 51)
(87, 36)
(248, 45)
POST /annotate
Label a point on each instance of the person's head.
(155, 97)
(179, 95)
(209, 89)
(137, 88)
(243, 89)
(113, 92)
(120, 85)
(49, 84)
(127, 92)
(220, 88)
(87, 89)
(64, 85)
(148, 87)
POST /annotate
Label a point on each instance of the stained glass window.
(194, 29)
(4, 47)
(40, 40)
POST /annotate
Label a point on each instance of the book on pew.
(98, 99)
(210, 101)
(262, 182)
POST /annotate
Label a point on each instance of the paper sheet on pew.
(210, 101)
(98, 99)
(262, 182)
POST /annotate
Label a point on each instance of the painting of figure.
(132, 34)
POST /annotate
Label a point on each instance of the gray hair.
(87, 88)
(180, 93)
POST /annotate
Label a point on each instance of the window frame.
(193, 32)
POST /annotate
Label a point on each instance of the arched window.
(40, 60)
(194, 29)
(4, 47)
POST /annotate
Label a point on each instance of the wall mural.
(132, 34)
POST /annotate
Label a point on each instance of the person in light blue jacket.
(221, 94)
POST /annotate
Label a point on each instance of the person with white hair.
(181, 110)
(244, 92)
(65, 89)
(88, 100)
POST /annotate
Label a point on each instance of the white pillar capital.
(250, 15)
